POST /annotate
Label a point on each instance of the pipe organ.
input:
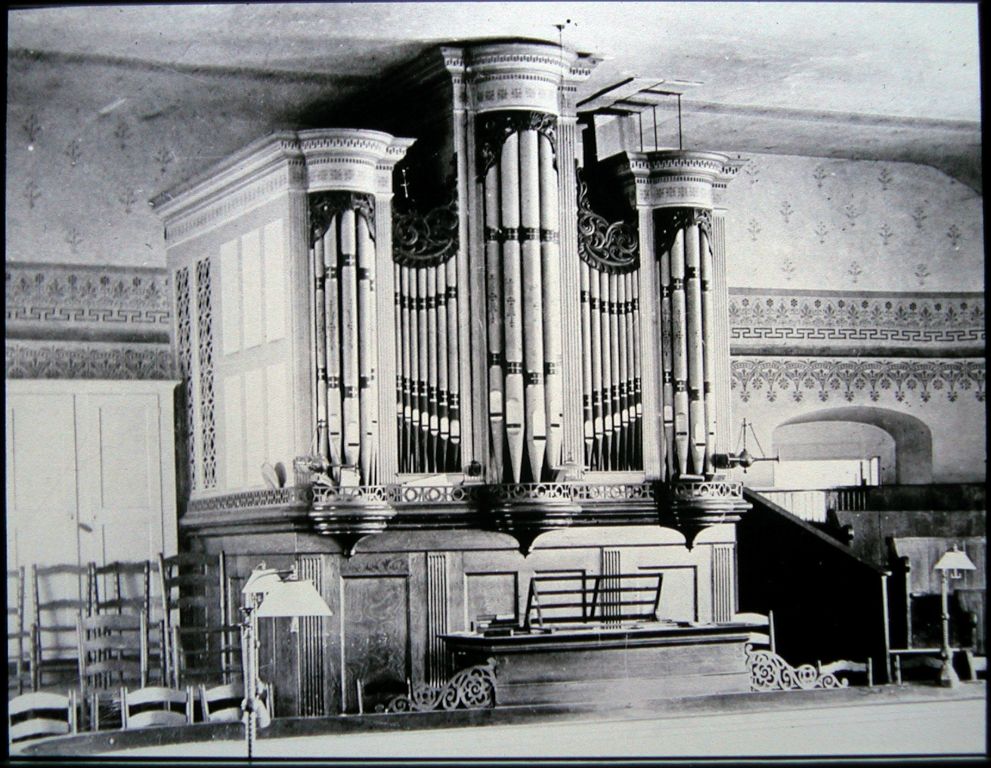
(473, 332)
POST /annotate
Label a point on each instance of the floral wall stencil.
(128, 198)
(754, 229)
(919, 216)
(74, 238)
(819, 174)
(885, 178)
(31, 193)
(851, 211)
(954, 234)
(921, 272)
(788, 268)
(855, 271)
(32, 127)
(752, 172)
(74, 151)
(163, 157)
(821, 229)
(122, 133)
(886, 233)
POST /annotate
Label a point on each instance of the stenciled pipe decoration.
(342, 252)
(516, 162)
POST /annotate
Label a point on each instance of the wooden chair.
(39, 714)
(202, 640)
(18, 633)
(113, 652)
(222, 703)
(60, 597)
(125, 587)
(759, 639)
(155, 706)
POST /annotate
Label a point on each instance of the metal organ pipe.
(367, 351)
(599, 394)
(493, 282)
(349, 339)
(320, 322)
(533, 317)
(679, 353)
(512, 285)
(693, 337)
(588, 387)
(708, 345)
(335, 413)
(551, 263)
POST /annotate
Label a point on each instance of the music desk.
(652, 660)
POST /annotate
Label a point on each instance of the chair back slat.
(158, 707)
(40, 713)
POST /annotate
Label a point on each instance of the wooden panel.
(275, 281)
(233, 432)
(487, 594)
(376, 637)
(251, 285)
(128, 433)
(679, 592)
(42, 468)
(278, 415)
(723, 582)
(254, 426)
(230, 297)
(312, 683)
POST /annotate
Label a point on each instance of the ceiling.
(882, 81)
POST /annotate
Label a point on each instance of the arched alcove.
(913, 459)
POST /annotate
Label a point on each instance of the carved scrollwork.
(471, 688)
(324, 206)
(670, 221)
(769, 672)
(612, 247)
(494, 128)
(425, 240)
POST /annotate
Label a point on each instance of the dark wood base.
(619, 665)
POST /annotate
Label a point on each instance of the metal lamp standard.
(269, 595)
(950, 566)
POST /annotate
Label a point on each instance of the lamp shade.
(293, 599)
(954, 560)
(261, 581)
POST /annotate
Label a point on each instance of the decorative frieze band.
(96, 360)
(761, 318)
(47, 301)
(856, 379)
(290, 496)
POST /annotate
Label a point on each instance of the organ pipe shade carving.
(606, 246)
(688, 365)
(425, 240)
(343, 266)
(522, 269)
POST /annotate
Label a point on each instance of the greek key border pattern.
(52, 360)
(205, 328)
(856, 379)
(71, 296)
(849, 317)
(270, 497)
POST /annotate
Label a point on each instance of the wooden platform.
(655, 660)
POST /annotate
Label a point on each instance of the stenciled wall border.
(69, 302)
(856, 379)
(796, 322)
(26, 359)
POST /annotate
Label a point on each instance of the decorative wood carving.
(471, 688)
(425, 240)
(493, 128)
(611, 247)
(769, 672)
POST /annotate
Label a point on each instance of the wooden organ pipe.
(335, 413)
(533, 316)
(512, 283)
(708, 345)
(349, 338)
(551, 264)
(367, 352)
(493, 282)
(693, 328)
(588, 388)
